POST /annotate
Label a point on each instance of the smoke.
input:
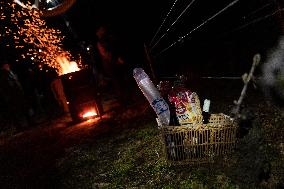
(273, 75)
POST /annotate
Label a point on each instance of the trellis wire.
(151, 48)
(164, 20)
(199, 26)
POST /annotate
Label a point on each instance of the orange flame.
(89, 114)
(66, 65)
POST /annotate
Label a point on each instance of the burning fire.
(66, 65)
(28, 30)
(89, 114)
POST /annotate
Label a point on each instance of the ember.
(89, 114)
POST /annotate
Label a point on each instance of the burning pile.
(26, 29)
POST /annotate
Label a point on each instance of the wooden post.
(246, 80)
(149, 60)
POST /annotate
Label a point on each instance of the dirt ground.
(27, 158)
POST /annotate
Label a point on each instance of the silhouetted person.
(29, 81)
(14, 106)
(113, 64)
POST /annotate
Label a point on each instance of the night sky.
(224, 45)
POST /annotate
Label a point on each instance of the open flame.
(89, 114)
(66, 65)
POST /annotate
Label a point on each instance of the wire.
(199, 26)
(151, 48)
(248, 15)
(248, 23)
(258, 20)
(162, 23)
(257, 10)
(215, 77)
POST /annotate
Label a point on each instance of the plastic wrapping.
(153, 96)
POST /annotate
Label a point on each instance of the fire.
(28, 30)
(66, 65)
(89, 114)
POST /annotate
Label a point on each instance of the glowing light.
(48, 1)
(28, 30)
(66, 65)
(89, 114)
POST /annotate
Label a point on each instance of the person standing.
(14, 106)
(113, 64)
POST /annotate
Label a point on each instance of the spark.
(28, 30)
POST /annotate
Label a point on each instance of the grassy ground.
(133, 157)
(124, 150)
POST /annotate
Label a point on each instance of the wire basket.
(199, 143)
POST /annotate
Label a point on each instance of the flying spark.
(28, 30)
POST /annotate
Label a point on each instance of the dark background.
(224, 46)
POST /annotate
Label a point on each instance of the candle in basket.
(205, 111)
(173, 116)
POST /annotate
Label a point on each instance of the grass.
(133, 157)
(125, 151)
